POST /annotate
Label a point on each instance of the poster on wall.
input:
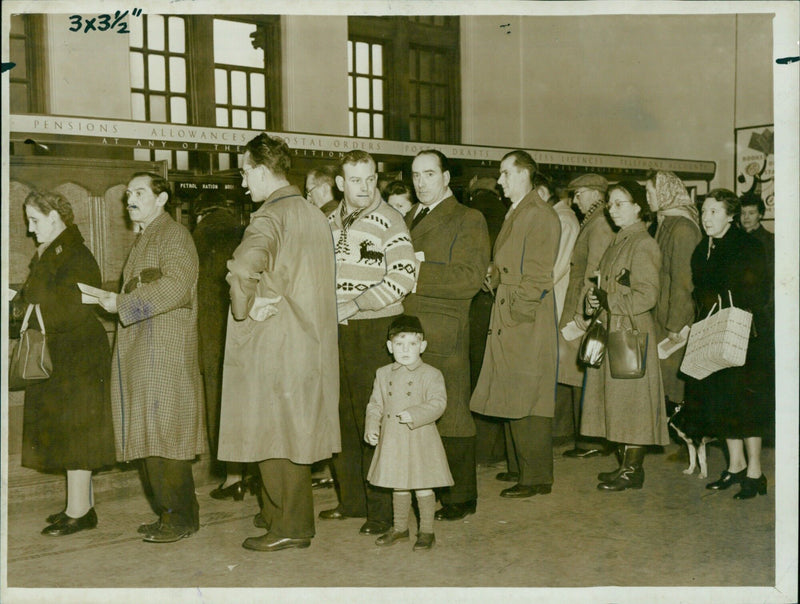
(755, 164)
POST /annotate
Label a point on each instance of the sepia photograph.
(414, 300)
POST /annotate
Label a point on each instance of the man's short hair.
(357, 156)
(523, 160)
(398, 187)
(158, 184)
(542, 180)
(749, 199)
(444, 163)
(324, 174)
(270, 152)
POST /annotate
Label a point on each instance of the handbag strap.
(32, 307)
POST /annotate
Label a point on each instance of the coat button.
(390, 383)
(390, 393)
(502, 300)
(499, 331)
(505, 269)
(408, 394)
(410, 383)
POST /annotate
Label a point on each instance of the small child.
(399, 196)
(407, 399)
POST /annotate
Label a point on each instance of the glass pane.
(182, 160)
(362, 93)
(440, 68)
(137, 106)
(362, 57)
(425, 131)
(352, 126)
(221, 86)
(177, 35)
(349, 56)
(224, 161)
(258, 120)
(438, 20)
(412, 64)
(18, 98)
(377, 94)
(158, 108)
(413, 130)
(177, 106)
(425, 67)
(441, 131)
(377, 59)
(238, 88)
(137, 70)
(156, 74)
(239, 118)
(414, 99)
(17, 51)
(222, 117)
(17, 25)
(258, 94)
(377, 125)
(232, 44)
(363, 124)
(349, 91)
(177, 74)
(440, 101)
(162, 154)
(136, 27)
(141, 155)
(425, 105)
(155, 32)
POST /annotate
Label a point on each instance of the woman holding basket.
(67, 417)
(730, 266)
(627, 410)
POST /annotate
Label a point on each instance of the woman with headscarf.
(677, 235)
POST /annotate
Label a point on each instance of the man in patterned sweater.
(375, 269)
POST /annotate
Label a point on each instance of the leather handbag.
(627, 352)
(593, 344)
(30, 359)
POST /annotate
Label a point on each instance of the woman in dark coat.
(737, 401)
(67, 418)
(630, 412)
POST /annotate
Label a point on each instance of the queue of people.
(325, 308)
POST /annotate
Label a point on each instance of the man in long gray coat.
(454, 241)
(280, 376)
(156, 392)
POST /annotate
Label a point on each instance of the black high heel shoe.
(727, 480)
(68, 525)
(751, 486)
(235, 491)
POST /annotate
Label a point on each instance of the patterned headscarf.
(673, 199)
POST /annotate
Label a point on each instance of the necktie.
(420, 215)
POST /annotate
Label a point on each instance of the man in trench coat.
(454, 241)
(518, 377)
(280, 382)
(156, 391)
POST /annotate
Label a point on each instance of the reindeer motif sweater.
(375, 262)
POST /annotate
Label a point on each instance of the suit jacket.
(455, 241)
(156, 390)
(518, 377)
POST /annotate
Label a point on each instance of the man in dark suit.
(452, 243)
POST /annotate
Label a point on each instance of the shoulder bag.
(627, 351)
(30, 359)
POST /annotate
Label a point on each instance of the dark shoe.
(579, 453)
(373, 527)
(235, 491)
(322, 483)
(68, 525)
(271, 543)
(631, 473)
(508, 476)
(259, 522)
(727, 480)
(751, 486)
(168, 533)
(520, 491)
(619, 453)
(392, 537)
(424, 541)
(148, 527)
(53, 518)
(456, 511)
(334, 514)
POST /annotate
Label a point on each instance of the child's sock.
(401, 504)
(427, 504)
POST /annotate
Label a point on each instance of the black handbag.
(593, 344)
(30, 360)
(627, 352)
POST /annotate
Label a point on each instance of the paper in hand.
(571, 331)
(667, 347)
(89, 294)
